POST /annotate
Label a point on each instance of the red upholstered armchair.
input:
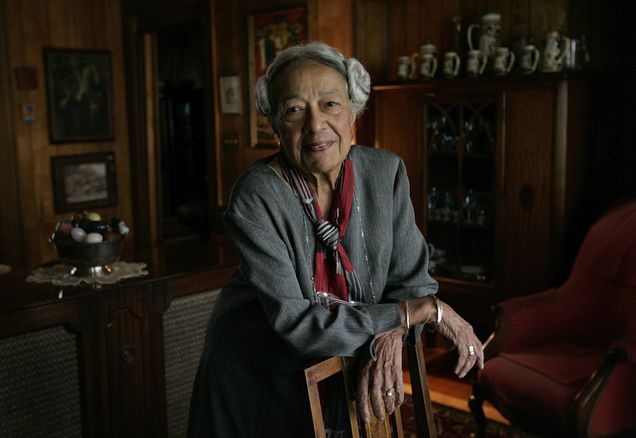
(563, 362)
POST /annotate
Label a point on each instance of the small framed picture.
(230, 90)
(84, 181)
(80, 96)
(269, 33)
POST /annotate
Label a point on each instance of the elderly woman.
(320, 222)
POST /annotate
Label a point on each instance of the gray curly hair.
(356, 76)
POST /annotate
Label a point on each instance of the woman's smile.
(319, 146)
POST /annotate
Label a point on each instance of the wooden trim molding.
(11, 248)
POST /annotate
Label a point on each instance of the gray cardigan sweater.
(265, 321)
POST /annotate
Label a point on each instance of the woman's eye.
(333, 106)
(292, 112)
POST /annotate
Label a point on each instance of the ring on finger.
(389, 392)
(471, 350)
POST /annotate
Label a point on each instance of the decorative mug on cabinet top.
(504, 60)
(427, 61)
(529, 59)
(489, 36)
(451, 64)
(476, 63)
(405, 68)
(554, 52)
(428, 66)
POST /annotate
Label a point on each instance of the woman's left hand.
(382, 378)
(469, 347)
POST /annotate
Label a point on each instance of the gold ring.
(389, 392)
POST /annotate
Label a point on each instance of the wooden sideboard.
(111, 361)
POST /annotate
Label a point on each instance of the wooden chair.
(392, 425)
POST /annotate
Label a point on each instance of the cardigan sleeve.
(267, 266)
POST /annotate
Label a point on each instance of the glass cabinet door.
(460, 184)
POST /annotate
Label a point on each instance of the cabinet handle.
(126, 354)
(526, 197)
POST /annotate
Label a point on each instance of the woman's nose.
(314, 120)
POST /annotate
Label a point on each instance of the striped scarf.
(333, 271)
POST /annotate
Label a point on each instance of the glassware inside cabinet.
(461, 188)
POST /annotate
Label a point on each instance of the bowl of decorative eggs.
(89, 244)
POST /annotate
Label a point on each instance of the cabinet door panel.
(525, 216)
(130, 358)
(398, 129)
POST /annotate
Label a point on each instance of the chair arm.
(628, 346)
(585, 401)
(526, 321)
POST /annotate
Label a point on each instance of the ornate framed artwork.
(80, 96)
(269, 33)
(84, 181)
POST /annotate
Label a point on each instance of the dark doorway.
(183, 170)
(171, 120)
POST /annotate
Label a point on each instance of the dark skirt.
(249, 383)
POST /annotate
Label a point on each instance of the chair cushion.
(540, 383)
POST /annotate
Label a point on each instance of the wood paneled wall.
(32, 25)
(11, 250)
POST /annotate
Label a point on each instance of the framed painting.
(268, 34)
(79, 94)
(83, 182)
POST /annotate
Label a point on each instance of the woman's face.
(315, 118)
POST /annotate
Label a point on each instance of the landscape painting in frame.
(82, 182)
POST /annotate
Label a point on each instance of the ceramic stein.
(504, 60)
(404, 68)
(476, 63)
(554, 51)
(428, 66)
(529, 59)
(427, 60)
(451, 64)
(489, 35)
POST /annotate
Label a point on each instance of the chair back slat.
(422, 406)
(391, 426)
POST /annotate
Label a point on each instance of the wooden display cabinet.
(496, 166)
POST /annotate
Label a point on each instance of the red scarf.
(333, 271)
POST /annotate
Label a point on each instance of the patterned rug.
(451, 422)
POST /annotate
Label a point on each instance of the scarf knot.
(333, 272)
(328, 234)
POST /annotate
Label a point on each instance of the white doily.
(60, 274)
